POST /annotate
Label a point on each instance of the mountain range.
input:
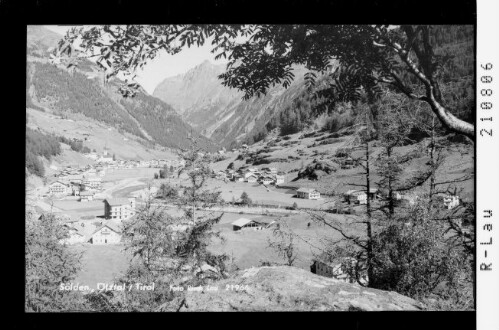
(55, 89)
(219, 112)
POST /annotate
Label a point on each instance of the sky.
(165, 65)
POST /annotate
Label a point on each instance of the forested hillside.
(454, 43)
(162, 123)
(39, 145)
(229, 120)
(63, 91)
(81, 91)
(219, 112)
(74, 92)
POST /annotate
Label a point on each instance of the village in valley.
(94, 200)
(258, 183)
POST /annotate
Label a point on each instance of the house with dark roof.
(355, 197)
(246, 223)
(266, 179)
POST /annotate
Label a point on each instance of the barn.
(308, 193)
(245, 223)
(355, 197)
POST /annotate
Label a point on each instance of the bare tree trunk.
(432, 160)
(370, 255)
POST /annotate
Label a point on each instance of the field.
(249, 247)
(101, 263)
(259, 194)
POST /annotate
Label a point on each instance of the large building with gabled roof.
(108, 233)
(119, 208)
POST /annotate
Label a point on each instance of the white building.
(105, 160)
(86, 196)
(93, 182)
(355, 197)
(338, 271)
(251, 178)
(92, 155)
(451, 202)
(308, 193)
(119, 208)
(279, 178)
(108, 233)
(59, 188)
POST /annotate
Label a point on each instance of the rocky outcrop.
(283, 288)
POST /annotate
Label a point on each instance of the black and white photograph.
(250, 167)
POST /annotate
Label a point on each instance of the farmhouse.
(221, 175)
(119, 208)
(247, 173)
(451, 202)
(336, 271)
(105, 160)
(355, 197)
(91, 155)
(251, 178)
(347, 163)
(373, 194)
(86, 196)
(108, 233)
(93, 182)
(238, 177)
(279, 178)
(59, 188)
(246, 223)
(266, 180)
(308, 193)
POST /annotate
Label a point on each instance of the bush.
(412, 259)
(167, 192)
(245, 200)
(34, 165)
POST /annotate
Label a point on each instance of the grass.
(249, 247)
(101, 263)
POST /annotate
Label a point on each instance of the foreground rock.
(282, 288)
